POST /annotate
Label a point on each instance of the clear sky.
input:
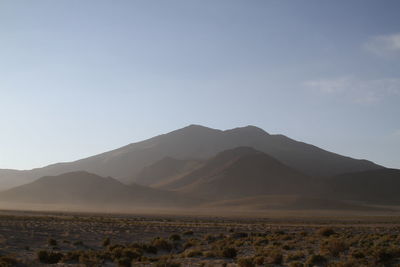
(82, 77)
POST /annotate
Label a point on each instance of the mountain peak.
(196, 127)
(244, 129)
(248, 129)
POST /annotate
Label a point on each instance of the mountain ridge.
(197, 142)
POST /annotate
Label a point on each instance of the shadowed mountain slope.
(241, 172)
(83, 188)
(165, 170)
(376, 186)
(198, 142)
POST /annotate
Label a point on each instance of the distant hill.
(241, 172)
(11, 178)
(197, 142)
(376, 186)
(83, 188)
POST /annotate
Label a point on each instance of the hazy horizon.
(81, 78)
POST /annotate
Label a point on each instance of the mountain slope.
(83, 188)
(164, 170)
(241, 172)
(376, 186)
(198, 142)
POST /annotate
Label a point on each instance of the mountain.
(376, 186)
(241, 172)
(83, 188)
(164, 171)
(198, 142)
(11, 178)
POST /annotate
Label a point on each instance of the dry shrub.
(326, 231)
(161, 244)
(295, 256)
(6, 261)
(246, 262)
(175, 237)
(49, 257)
(229, 252)
(275, 257)
(316, 259)
(335, 247)
(193, 253)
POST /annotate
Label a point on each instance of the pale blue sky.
(82, 77)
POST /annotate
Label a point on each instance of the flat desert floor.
(95, 239)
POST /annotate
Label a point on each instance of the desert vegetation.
(37, 239)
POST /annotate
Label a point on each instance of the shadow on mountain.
(377, 186)
(83, 188)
